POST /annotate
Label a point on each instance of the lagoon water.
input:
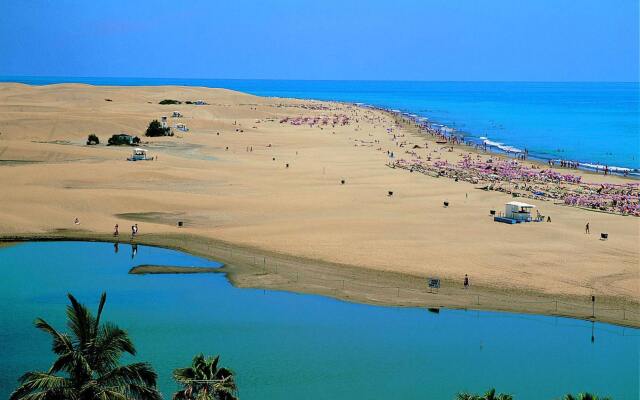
(589, 122)
(292, 346)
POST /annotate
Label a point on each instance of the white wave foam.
(602, 167)
(501, 146)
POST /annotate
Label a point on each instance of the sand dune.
(48, 177)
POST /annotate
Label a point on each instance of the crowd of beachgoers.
(333, 120)
(520, 179)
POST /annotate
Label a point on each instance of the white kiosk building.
(520, 212)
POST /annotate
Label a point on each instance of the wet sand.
(169, 269)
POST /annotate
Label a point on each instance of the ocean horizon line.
(6, 79)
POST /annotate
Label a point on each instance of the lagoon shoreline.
(247, 267)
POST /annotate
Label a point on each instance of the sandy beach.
(252, 174)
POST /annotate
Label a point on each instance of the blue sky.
(505, 40)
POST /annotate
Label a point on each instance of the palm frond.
(142, 392)
(184, 375)
(109, 345)
(103, 300)
(108, 394)
(138, 373)
(61, 342)
(80, 322)
(63, 363)
(467, 396)
(182, 395)
(40, 384)
(490, 395)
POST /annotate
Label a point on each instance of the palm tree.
(584, 396)
(490, 395)
(87, 364)
(204, 380)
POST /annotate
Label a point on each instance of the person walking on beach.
(115, 231)
(586, 228)
(466, 281)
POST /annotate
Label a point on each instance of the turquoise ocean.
(592, 123)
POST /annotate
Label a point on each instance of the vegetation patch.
(123, 139)
(155, 129)
(170, 101)
(92, 139)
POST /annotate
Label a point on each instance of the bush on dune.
(156, 129)
(92, 139)
(170, 101)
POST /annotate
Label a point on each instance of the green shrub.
(123, 139)
(170, 101)
(156, 129)
(92, 139)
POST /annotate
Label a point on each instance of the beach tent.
(518, 211)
